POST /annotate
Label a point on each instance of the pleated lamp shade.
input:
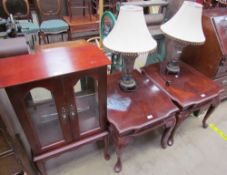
(186, 24)
(130, 34)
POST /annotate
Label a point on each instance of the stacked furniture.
(20, 10)
(86, 23)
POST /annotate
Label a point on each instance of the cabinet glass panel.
(41, 107)
(86, 99)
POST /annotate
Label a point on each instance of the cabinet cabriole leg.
(106, 147)
(41, 167)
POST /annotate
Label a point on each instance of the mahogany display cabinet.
(59, 96)
(211, 58)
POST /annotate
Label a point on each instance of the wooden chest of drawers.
(211, 58)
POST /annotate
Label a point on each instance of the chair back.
(18, 8)
(49, 9)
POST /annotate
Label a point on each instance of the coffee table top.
(137, 109)
(189, 88)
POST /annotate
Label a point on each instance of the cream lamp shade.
(186, 24)
(130, 34)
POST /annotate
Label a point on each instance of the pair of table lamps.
(130, 37)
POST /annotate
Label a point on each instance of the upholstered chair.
(50, 17)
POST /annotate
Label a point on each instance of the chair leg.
(90, 9)
(39, 35)
(83, 8)
(42, 36)
(69, 35)
(47, 37)
(62, 36)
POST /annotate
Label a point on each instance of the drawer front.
(222, 70)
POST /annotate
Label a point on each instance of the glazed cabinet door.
(86, 98)
(42, 112)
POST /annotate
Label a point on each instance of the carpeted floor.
(196, 151)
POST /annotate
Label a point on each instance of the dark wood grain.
(211, 58)
(190, 90)
(135, 113)
(58, 71)
(44, 65)
(69, 147)
(17, 97)
(82, 24)
(46, 47)
(206, 58)
(129, 111)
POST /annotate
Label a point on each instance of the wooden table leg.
(106, 147)
(179, 118)
(69, 34)
(119, 143)
(210, 111)
(169, 126)
(41, 167)
(118, 165)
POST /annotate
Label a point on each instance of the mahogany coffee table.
(190, 91)
(135, 113)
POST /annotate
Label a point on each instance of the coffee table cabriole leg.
(106, 147)
(120, 143)
(179, 118)
(210, 111)
(169, 126)
(41, 167)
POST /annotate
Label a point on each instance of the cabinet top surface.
(51, 63)
(137, 109)
(189, 88)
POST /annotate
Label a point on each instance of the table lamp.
(184, 28)
(129, 37)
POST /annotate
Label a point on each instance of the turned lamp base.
(127, 83)
(173, 67)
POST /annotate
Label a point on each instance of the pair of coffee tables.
(160, 100)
